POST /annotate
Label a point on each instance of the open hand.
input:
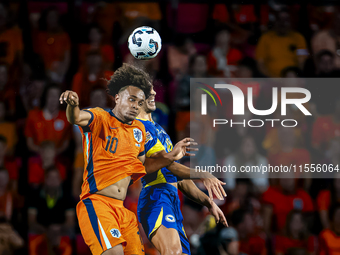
(214, 185)
(182, 149)
(218, 214)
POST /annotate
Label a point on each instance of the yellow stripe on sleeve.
(156, 148)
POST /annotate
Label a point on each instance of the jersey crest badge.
(170, 218)
(115, 233)
(137, 133)
(148, 137)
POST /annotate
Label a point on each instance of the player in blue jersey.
(159, 205)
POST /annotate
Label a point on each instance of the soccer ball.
(144, 43)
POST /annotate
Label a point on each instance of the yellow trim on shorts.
(160, 179)
(158, 222)
(184, 232)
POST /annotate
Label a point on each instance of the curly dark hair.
(129, 75)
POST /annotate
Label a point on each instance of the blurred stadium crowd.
(49, 46)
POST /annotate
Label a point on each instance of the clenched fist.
(70, 97)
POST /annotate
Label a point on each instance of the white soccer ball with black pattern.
(144, 43)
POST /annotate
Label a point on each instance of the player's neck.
(120, 117)
(144, 115)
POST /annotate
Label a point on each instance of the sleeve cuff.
(141, 154)
(92, 117)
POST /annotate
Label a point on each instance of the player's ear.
(117, 97)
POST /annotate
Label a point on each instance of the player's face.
(129, 103)
(150, 104)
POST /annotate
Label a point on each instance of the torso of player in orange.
(111, 151)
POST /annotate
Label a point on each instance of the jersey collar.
(113, 115)
(145, 119)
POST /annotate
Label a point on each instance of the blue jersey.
(156, 140)
(158, 202)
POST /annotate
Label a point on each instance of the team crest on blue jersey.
(170, 218)
(138, 135)
(148, 137)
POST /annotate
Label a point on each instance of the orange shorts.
(104, 223)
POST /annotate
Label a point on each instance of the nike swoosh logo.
(113, 128)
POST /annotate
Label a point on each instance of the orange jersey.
(111, 150)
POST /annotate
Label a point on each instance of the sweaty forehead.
(134, 91)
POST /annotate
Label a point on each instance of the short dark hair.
(129, 75)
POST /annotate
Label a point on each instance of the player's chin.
(131, 116)
(151, 107)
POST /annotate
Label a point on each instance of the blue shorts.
(160, 205)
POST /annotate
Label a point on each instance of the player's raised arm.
(190, 190)
(73, 113)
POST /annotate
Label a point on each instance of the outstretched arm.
(73, 113)
(212, 184)
(153, 164)
(162, 159)
(190, 190)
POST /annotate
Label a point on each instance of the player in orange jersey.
(113, 143)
